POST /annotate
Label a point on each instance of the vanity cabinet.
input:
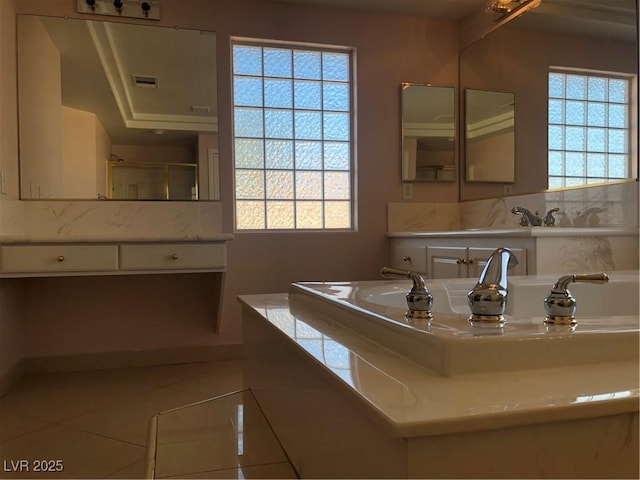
(40, 260)
(440, 257)
(467, 262)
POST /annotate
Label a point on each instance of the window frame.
(631, 128)
(352, 171)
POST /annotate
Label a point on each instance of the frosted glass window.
(293, 152)
(279, 154)
(588, 134)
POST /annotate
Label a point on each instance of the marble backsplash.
(87, 221)
(604, 206)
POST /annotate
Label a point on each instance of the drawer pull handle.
(60, 258)
(406, 258)
(461, 261)
(174, 256)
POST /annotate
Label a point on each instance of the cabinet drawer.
(172, 256)
(58, 258)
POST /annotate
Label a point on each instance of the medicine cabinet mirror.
(489, 136)
(428, 133)
(116, 111)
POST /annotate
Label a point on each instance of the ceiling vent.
(145, 81)
(200, 109)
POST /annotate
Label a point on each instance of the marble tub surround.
(617, 206)
(343, 406)
(86, 221)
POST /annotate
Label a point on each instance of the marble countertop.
(521, 232)
(413, 400)
(122, 238)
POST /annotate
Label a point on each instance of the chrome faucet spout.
(527, 217)
(488, 299)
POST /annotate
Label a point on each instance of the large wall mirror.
(516, 58)
(428, 133)
(116, 111)
(489, 134)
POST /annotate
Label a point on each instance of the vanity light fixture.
(509, 9)
(145, 9)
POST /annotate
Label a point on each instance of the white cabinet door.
(409, 258)
(447, 262)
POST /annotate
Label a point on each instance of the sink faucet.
(419, 298)
(526, 217)
(589, 216)
(560, 305)
(488, 298)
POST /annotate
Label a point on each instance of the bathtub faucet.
(526, 217)
(419, 298)
(488, 298)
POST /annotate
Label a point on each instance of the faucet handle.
(560, 305)
(549, 220)
(419, 298)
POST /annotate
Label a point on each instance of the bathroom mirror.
(428, 133)
(112, 110)
(569, 34)
(489, 121)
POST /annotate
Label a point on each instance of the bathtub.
(607, 329)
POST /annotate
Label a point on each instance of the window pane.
(247, 91)
(617, 91)
(308, 125)
(596, 140)
(555, 182)
(309, 214)
(575, 138)
(278, 93)
(335, 96)
(277, 62)
(307, 95)
(279, 154)
(574, 164)
(249, 153)
(575, 113)
(337, 156)
(617, 166)
(280, 184)
(309, 185)
(596, 165)
(556, 111)
(306, 65)
(618, 116)
(250, 215)
(576, 87)
(556, 138)
(336, 126)
(247, 60)
(280, 215)
(597, 89)
(247, 122)
(336, 186)
(278, 124)
(308, 155)
(335, 66)
(596, 114)
(617, 141)
(556, 163)
(556, 85)
(249, 184)
(337, 215)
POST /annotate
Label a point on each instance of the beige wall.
(389, 50)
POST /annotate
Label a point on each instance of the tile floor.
(95, 424)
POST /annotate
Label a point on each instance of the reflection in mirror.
(114, 110)
(489, 136)
(565, 35)
(428, 133)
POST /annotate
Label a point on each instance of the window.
(589, 134)
(292, 127)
